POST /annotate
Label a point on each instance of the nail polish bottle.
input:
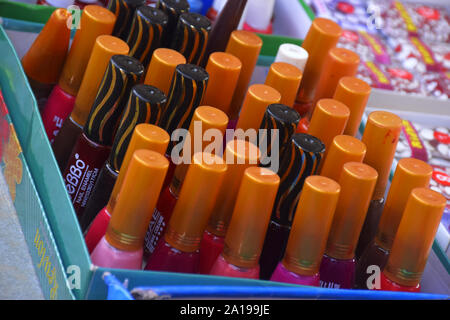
(354, 93)
(285, 78)
(124, 11)
(409, 174)
(44, 61)
(186, 92)
(93, 146)
(292, 54)
(307, 240)
(245, 46)
(147, 32)
(321, 37)
(257, 99)
(63, 138)
(380, 137)
(191, 36)
(283, 119)
(204, 119)
(162, 67)
(238, 155)
(258, 17)
(223, 69)
(224, 25)
(144, 106)
(122, 245)
(300, 159)
(357, 182)
(173, 9)
(343, 149)
(413, 241)
(248, 225)
(328, 120)
(178, 251)
(145, 136)
(95, 21)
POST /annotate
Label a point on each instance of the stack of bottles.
(173, 162)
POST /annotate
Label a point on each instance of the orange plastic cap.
(328, 120)
(251, 216)
(311, 225)
(245, 46)
(257, 99)
(381, 136)
(104, 48)
(137, 200)
(321, 37)
(145, 136)
(410, 173)
(354, 93)
(415, 237)
(285, 78)
(95, 21)
(162, 67)
(196, 201)
(356, 179)
(238, 155)
(45, 59)
(223, 69)
(343, 149)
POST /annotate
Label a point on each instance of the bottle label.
(410, 26)
(155, 231)
(332, 285)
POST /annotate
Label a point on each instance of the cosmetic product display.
(337, 269)
(409, 174)
(147, 33)
(173, 9)
(307, 240)
(238, 155)
(300, 159)
(145, 136)
(96, 21)
(94, 145)
(161, 68)
(285, 78)
(413, 241)
(380, 136)
(178, 251)
(122, 245)
(124, 11)
(144, 106)
(44, 61)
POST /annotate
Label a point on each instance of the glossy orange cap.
(257, 99)
(339, 63)
(95, 21)
(245, 46)
(251, 216)
(343, 149)
(205, 118)
(238, 155)
(311, 225)
(195, 204)
(380, 137)
(357, 183)
(145, 136)
(415, 236)
(321, 37)
(223, 69)
(104, 48)
(161, 68)
(285, 78)
(410, 173)
(328, 120)
(137, 200)
(354, 93)
(45, 59)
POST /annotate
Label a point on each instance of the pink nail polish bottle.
(248, 225)
(122, 245)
